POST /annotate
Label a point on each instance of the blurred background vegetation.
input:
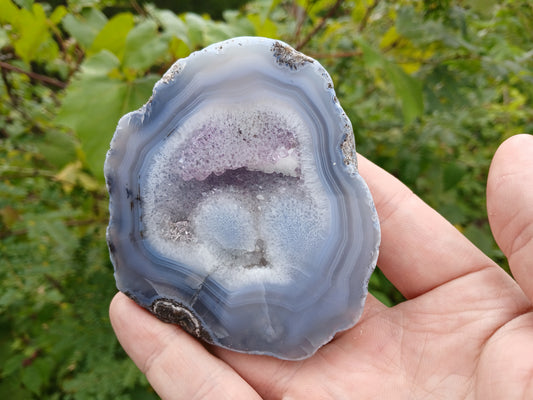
(432, 88)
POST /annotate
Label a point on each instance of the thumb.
(510, 206)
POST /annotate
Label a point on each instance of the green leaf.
(196, 27)
(4, 39)
(37, 374)
(27, 4)
(144, 46)
(58, 14)
(11, 389)
(99, 64)
(266, 28)
(9, 12)
(244, 26)
(217, 32)
(452, 174)
(113, 35)
(408, 89)
(382, 297)
(57, 147)
(85, 28)
(371, 57)
(485, 7)
(178, 48)
(480, 237)
(35, 41)
(170, 22)
(32, 380)
(12, 364)
(94, 103)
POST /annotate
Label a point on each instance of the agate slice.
(236, 207)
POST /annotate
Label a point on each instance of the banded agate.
(237, 210)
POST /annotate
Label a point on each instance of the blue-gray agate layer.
(236, 207)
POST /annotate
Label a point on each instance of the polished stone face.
(236, 207)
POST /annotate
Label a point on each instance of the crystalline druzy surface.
(236, 207)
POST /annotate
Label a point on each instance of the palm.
(439, 345)
(466, 332)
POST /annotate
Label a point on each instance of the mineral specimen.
(236, 207)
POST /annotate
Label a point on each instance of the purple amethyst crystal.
(236, 207)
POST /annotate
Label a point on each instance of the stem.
(366, 17)
(9, 89)
(34, 75)
(137, 8)
(15, 100)
(16, 172)
(300, 18)
(342, 54)
(319, 26)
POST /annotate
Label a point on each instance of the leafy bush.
(431, 87)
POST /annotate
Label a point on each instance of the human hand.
(465, 332)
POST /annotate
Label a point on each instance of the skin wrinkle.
(152, 365)
(330, 385)
(502, 334)
(158, 351)
(373, 307)
(522, 247)
(211, 388)
(458, 329)
(482, 267)
(516, 301)
(444, 383)
(394, 204)
(417, 368)
(421, 312)
(501, 218)
(280, 379)
(320, 355)
(333, 388)
(419, 382)
(332, 382)
(499, 342)
(414, 387)
(498, 339)
(521, 234)
(280, 376)
(529, 386)
(388, 349)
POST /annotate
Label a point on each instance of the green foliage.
(117, 74)
(431, 87)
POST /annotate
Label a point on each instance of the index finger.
(420, 249)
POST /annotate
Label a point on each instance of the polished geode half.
(236, 207)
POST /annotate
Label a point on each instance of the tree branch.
(15, 101)
(299, 15)
(341, 54)
(138, 8)
(9, 89)
(34, 75)
(319, 26)
(366, 17)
